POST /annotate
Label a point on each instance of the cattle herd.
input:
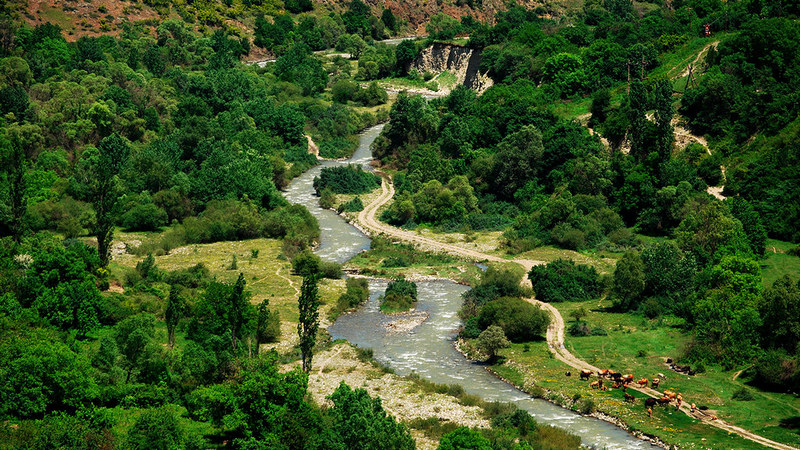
(620, 381)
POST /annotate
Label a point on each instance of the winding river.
(428, 349)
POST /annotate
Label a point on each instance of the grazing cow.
(649, 402)
(585, 374)
(663, 401)
(693, 407)
(669, 360)
(671, 395)
(629, 398)
(569, 374)
(603, 388)
(615, 385)
(594, 384)
(691, 373)
(643, 382)
(603, 373)
(655, 383)
(627, 378)
(616, 376)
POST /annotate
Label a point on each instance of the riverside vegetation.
(151, 270)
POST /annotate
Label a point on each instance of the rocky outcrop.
(463, 62)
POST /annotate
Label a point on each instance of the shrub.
(743, 394)
(354, 205)
(563, 280)
(350, 179)
(357, 293)
(400, 295)
(144, 217)
(579, 329)
(520, 320)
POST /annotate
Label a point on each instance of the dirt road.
(555, 332)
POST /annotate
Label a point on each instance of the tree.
(493, 339)
(442, 26)
(97, 176)
(662, 99)
(360, 422)
(463, 438)
(517, 160)
(133, 336)
(388, 19)
(156, 429)
(751, 223)
(579, 314)
(726, 316)
(268, 325)
(176, 307)
(710, 231)
(237, 310)
(519, 320)
(628, 281)
(309, 318)
(14, 161)
(779, 310)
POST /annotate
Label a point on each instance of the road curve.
(555, 331)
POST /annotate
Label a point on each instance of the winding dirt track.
(555, 332)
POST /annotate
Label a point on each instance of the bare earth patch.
(401, 397)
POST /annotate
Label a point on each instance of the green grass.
(392, 260)
(628, 335)
(268, 276)
(778, 263)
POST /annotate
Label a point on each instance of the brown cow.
(670, 394)
(649, 402)
(585, 374)
(603, 373)
(594, 384)
(627, 378)
(655, 383)
(643, 382)
(663, 401)
(629, 398)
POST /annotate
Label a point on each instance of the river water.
(428, 349)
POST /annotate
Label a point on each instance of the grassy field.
(640, 346)
(778, 263)
(268, 275)
(389, 259)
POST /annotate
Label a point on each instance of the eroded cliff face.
(463, 62)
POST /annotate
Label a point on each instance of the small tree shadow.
(792, 423)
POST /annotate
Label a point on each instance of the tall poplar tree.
(309, 318)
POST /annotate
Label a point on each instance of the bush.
(350, 179)
(743, 394)
(579, 329)
(354, 205)
(357, 293)
(400, 295)
(144, 217)
(520, 320)
(563, 280)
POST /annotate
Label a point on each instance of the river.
(428, 349)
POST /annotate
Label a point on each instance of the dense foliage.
(349, 179)
(562, 280)
(400, 295)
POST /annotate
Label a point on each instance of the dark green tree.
(628, 281)
(779, 310)
(388, 19)
(268, 325)
(751, 222)
(14, 162)
(463, 438)
(157, 429)
(97, 176)
(360, 422)
(176, 308)
(237, 310)
(517, 160)
(309, 318)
